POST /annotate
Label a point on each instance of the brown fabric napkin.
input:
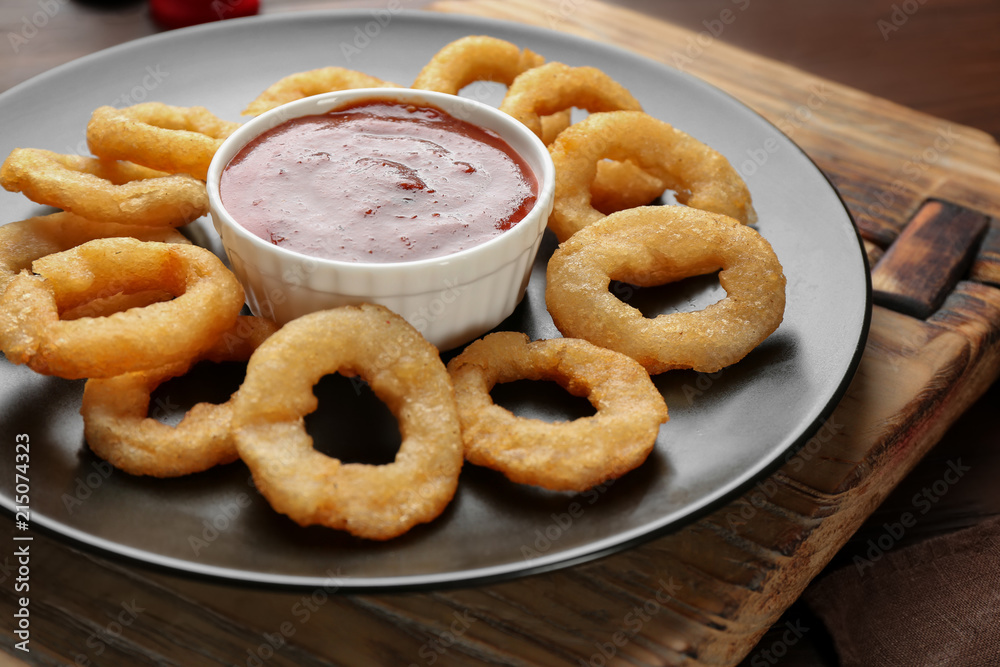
(936, 602)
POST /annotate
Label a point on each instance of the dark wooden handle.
(931, 255)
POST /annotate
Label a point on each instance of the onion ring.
(117, 428)
(563, 456)
(555, 123)
(483, 58)
(555, 87)
(654, 245)
(116, 303)
(107, 190)
(208, 300)
(617, 185)
(701, 177)
(177, 140)
(403, 369)
(24, 241)
(313, 82)
(474, 58)
(621, 185)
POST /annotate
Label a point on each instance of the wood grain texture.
(702, 596)
(986, 267)
(874, 46)
(923, 265)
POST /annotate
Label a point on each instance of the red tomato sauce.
(379, 181)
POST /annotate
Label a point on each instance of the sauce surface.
(378, 181)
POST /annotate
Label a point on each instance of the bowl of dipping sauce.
(429, 204)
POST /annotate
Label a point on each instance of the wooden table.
(732, 575)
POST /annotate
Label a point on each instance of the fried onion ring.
(107, 190)
(474, 58)
(617, 185)
(314, 82)
(177, 140)
(701, 177)
(24, 241)
(403, 369)
(555, 123)
(207, 300)
(116, 303)
(554, 87)
(654, 245)
(483, 58)
(117, 428)
(562, 456)
(621, 185)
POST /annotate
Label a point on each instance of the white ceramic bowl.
(450, 300)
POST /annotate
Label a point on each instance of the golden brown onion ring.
(177, 140)
(617, 185)
(116, 303)
(376, 502)
(701, 177)
(207, 300)
(118, 429)
(106, 190)
(621, 185)
(553, 124)
(24, 241)
(483, 58)
(554, 87)
(654, 245)
(313, 82)
(474, 58)
(561, 456)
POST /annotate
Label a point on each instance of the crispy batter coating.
(24, 241)
(376, 502)
(474, 58)
(118, 429)
(654, 245)
(313, 82)
(554, 87)
(106, 190)
(482, 58)
(621, 185)
(701, 177)
(207, 300)
(563, 456)
(177, 140)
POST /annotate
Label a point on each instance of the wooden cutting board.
(926, 195)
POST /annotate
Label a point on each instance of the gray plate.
(726, 430)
